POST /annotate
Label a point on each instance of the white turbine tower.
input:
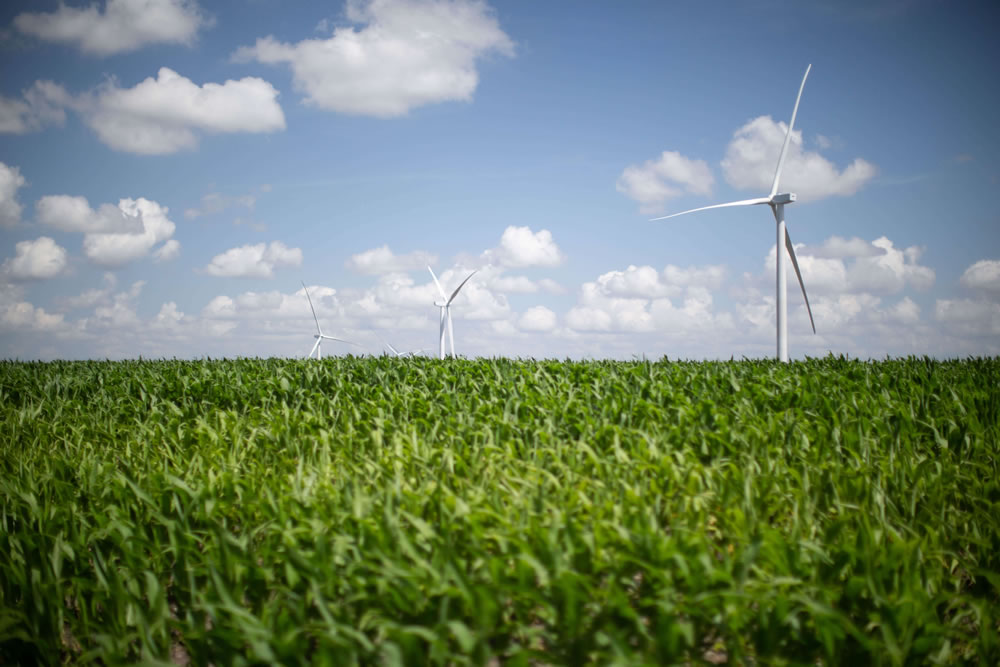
(777, 203)
(445, 306)
(319, 335)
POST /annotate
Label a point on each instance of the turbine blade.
(394, 350)
(440, 289)
(742, 202)
(340, 340)
(788, 135)
(312, 309)
(455, 293)
(313, 351)
(795, 264)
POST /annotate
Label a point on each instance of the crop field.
(490, 512)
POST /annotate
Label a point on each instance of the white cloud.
(118, 26)
(537, 318)
(215, 202)
(891, 271)
(16, 314)
(752, 157)
(837, 247)
(254, 261)
(520, 248)
(655, 181)
(969, 317)
(11, 181)
(905, 312)
(165, 114)
(382, 260)
(42, 104)
(90, 298)
(113, 235)
(401, 54)
(984, 275)
(73, 214)
(167, 251)
(856, 266)
(36, 260)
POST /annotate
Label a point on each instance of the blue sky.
(169, 175)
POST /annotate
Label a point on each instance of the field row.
(394, 511)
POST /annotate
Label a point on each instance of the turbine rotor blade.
(340, 340)
(311, 308)
(440, 289)
(313, 351)
(394, 350)
(788, 135)
(455, 293)
(743, 202)
(798, 274)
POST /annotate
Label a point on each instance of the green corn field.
(490, 512)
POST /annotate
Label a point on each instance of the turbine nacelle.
(784, 198)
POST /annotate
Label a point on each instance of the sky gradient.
(169, 175)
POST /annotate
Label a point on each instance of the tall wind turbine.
(445, 306)
(319, 335)
(777, 203)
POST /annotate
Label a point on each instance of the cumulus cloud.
(113, 235)
(641, 299)
(118, 26)
(167, 251)
(166, 114)
(382, 260)
(73, 214)
(983, 275)
(655, 181)
(40, 105)
(856, 266)
(969, 317)
(399, 55)
(520, 248)
(16, 314)
(35, 260)
(537, 318)
(11, 181)
(254, 261)
(752, 156)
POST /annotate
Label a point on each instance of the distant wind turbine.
(395, 352)
(319, 335)
(777, 203)
(445, 306)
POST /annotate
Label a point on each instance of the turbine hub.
(783, 198)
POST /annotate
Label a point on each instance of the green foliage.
(397, 511)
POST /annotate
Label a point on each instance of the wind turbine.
(445, 306)
(777, 203)
(319, 335)
(395, 352)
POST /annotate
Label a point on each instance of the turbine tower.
(445, 306)
(777, 203)
(319, 335)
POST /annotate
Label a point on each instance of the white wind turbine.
(395, 352)
(777, 203)
(319, 335)
(445, 306)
